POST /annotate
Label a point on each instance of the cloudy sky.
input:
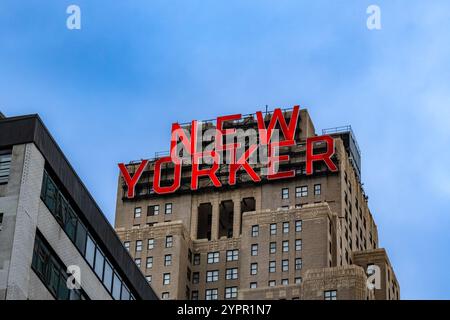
(110, 91)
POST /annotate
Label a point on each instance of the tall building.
(309, 236)
(55, 243)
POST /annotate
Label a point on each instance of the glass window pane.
(117, 285)
(81, 237)
(90, 251)
(99, 262)
(107, 276)
(125, 293)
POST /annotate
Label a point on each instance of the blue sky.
(110, 91)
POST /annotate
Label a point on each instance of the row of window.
(153, 210)
(66, 216)
(273, 247)
(149, 261)
(272, 266)
(52, 272)
(150, 244)
(301, 192)
(5, 165)
(273, 228)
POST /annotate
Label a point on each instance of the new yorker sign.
(253, 151)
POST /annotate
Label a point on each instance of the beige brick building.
(307, 237)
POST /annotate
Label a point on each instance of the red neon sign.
(190, 144)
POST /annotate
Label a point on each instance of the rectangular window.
(149, 262)
(168, 260)
(298, 263)
(195, 277)
(272, 283)
(298, 280)
(272, 267)
(273, 229)
(255, 231)
(286, 246)
(81, 235)
(285, 227)
(231, 292)
(330, 295)
(253, 285)
(168, 208)
(301, 191)
(138, 245)
(169, 241)
(231, 274)
(212, 276)
(253, 269)
(285, 193)
(137, 212)
(254, 250)
(166, 279)
(211, 294)
(165, 295)
(284, 265)
(5, 166)
(298, 244)
(149, 279)
(90, 251)
(298, 226)
(107, 276)
(99, 263)
(138, 262)
(273, 247)
(317, 189)
(117, 286)
(150, 244)
(232, 255)
(284, 282)
(213, 257)
(153, 210)
(194, 295)
(126, 244)
(196, 259)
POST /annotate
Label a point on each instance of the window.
(317, 189)
(166, 278)
(212, 276)
(230, 292)
(138, 262)
(298, 263)
(284, 282)
(107, 275)
(168, 260)
(231, 274)
(213, 257)
(153, 210)
(254, 250)
(298, 244)
(137, 212)
(298, 226)
(165, 295)
(168, 208)
(196, 259)
(272, 266)
(330, 295)
(232, 255)
(285, 193)
(301, 191)
(284, 265)
(196, 277)
(253, 285)
(5, 166)
(169, 241)
(273, 229)
(255, 231)
(273, 247)
(90, 251)
(286, 246)
(99, 263)
(194, 295)
(285, 227)
(150, 244)
(253, 268)
(285, 207)
(149, 262)
(211, 294)
(127, 245)
(149, 279)
(272, 283)
(138, 245)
